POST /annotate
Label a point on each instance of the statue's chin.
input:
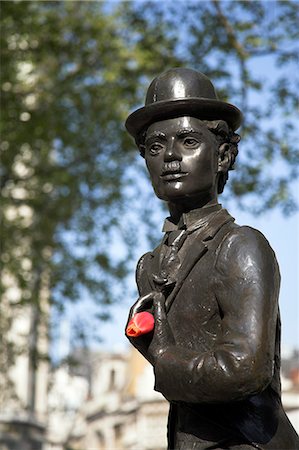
(196, 198)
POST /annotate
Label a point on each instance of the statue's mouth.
(170, 167)
(173, 176)
(172, 171)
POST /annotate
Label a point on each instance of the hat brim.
(201, 108)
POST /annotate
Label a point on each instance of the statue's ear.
(224, 158)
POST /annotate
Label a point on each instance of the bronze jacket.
(222, 375)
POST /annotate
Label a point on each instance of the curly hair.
(228, 145)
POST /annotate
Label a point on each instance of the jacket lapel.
(156, 258)
(196, 252)
(198, 249)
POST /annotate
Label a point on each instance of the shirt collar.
(191, 220)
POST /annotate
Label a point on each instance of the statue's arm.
(142, 342)
(242, 361)
(142, 279)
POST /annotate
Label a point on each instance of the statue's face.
(181, 157)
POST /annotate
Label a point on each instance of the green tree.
(73, 186)
(70, 74)
(250, 50)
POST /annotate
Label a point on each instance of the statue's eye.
(155, 148)
(191, 142)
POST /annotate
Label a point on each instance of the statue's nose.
(172, 152)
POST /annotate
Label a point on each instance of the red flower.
(141, 323)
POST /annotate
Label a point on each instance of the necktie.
(170, 264)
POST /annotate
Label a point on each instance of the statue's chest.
(194, 315)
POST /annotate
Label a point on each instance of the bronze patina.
(211, 284)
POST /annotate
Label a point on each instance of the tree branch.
(241, 52)
(230, 31)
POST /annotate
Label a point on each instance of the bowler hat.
(178, 92)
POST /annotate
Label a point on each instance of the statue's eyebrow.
(182, 132)
(154, 135)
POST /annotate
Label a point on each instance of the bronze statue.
(211, 285)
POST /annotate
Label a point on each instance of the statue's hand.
(163, 337)
(143, 303)
(154, 343)
(139, 337)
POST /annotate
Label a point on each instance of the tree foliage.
(72, 183)
(71, 74)
(250, 50)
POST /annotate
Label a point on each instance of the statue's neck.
(185, 205)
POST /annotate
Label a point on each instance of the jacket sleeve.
(142, 279)
(142, 342)
(242, 361)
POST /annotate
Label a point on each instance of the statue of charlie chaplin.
(211, 285)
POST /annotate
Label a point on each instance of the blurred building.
(24, 385)
(114, 406)
(105, 401)
(121, 409)
(290, 387)
(67, 394)
(24, 315)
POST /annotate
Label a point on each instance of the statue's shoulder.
(246, 235)
(141, 275)
(143, 262)
(145, 267)
(242, 244)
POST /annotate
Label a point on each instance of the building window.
(118, 432)
(112, 380)
(100, 440)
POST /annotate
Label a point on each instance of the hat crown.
(181, 92)
(180, 83)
